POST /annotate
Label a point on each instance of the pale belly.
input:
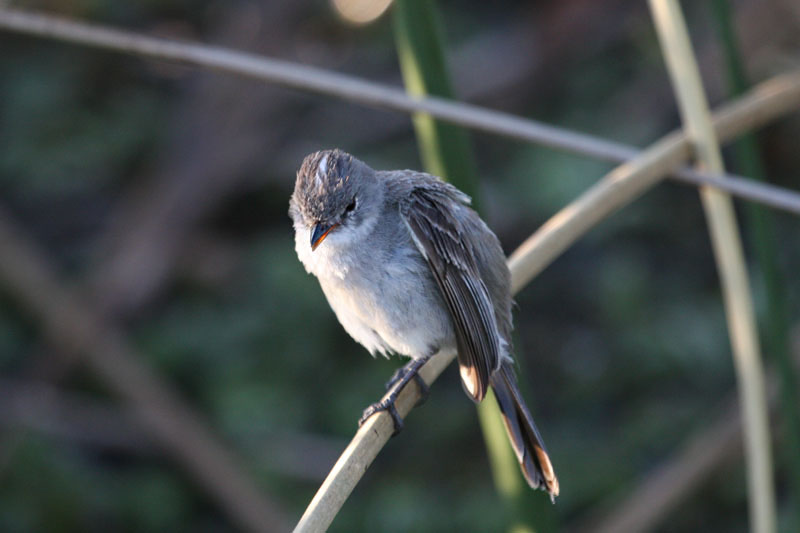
(400, 313)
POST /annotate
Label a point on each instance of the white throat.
(335, 255)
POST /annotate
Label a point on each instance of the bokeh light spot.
(360, 11)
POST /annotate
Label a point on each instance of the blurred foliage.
(624, 336)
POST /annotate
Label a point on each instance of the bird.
(409, 268)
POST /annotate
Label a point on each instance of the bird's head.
(334, 195)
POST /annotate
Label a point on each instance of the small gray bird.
(409, 268)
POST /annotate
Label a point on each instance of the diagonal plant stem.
(354, 89)
(724, 232)
(618, 188)
(774, 323)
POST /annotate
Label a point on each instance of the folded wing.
(431, 216)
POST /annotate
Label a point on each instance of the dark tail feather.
(525, 438)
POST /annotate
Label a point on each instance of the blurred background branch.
(349, 88)
(678, 478)
(81, 419)
(72, 326)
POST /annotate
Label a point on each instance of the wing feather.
(439, 235)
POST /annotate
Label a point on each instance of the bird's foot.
(387, 404)
(396, 383)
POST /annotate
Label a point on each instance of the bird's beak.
(319, 233)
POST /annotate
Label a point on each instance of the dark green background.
(624, 351)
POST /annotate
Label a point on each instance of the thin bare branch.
(350, 88)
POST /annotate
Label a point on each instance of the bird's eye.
(351, 206)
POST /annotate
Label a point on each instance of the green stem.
(446, 152)
(444, 148)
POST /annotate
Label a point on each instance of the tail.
(522, 432)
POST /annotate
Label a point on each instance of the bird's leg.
(400, 373)
(399, 380)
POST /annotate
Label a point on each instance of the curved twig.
(622, 185)
(354, 89)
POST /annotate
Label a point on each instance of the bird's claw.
(399, 379)
(387, 404)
